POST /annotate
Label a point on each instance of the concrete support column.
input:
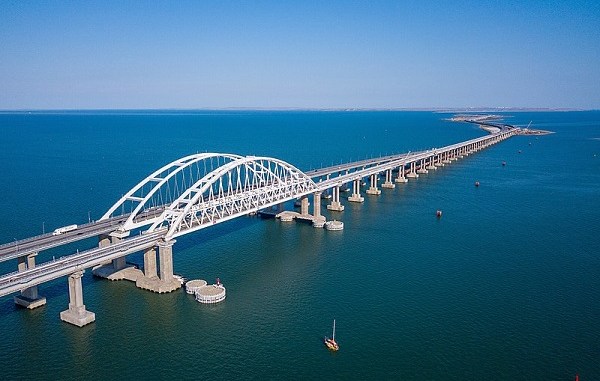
(76, 314)
(317, 204)
(335, 200)
(116, 237)
(103, 240)
(165, 257)
(445, 158)
(422, 169)
(164, 282)
(373, 188)
(318, 219)
(304, 205)
(431, 164)
(388, 180)
(29, 297)
(412, 173)
(150, 269)
(401, 178)
(356, 197)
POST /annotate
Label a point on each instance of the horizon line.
(349, 109)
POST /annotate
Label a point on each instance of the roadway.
(47, 241)
(67, 265)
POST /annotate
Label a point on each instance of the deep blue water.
(506, 285)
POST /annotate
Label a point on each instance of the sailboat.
(330, 342)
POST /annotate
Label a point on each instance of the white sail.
(333, 330)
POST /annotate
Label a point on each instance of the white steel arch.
(234, 189)
(157, 180)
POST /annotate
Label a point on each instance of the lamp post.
(89, 216)
(43, 227)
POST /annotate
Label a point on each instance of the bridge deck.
(250, 200)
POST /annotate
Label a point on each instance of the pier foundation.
(422, 169)
(388, 180)
(335, 200)
(412, 173)
(431, 164)
(373, 190)
(401, 178)
(164, 282)
(356, 197)
(76, 314)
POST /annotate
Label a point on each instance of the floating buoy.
(438, 213)
(503, 163)
(476, 183)
(519, 151)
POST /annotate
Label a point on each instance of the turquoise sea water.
(505, 286)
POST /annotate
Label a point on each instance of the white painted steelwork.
(236, 188)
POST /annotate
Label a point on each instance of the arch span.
(146, 200)
(236, 188)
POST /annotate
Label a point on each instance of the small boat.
(330, 343)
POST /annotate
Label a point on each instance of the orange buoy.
(438, 213)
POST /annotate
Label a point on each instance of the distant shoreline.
(465, 110)
(486, 123)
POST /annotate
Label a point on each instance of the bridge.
(196, 192)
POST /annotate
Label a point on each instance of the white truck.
(64, 229)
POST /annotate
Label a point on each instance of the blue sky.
(322, 54)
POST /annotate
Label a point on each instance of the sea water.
(506, 285)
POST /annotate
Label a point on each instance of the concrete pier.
(165, 282)
(373, 190)
(335, 200)
(118, 268)
(76, 314)
(431, 164)
(401, 178)
(116, 237)
(356, 197)
(29, 297)
(445, 159)
(318, 219)
(304, 205)
(150, 268)
(422, 169)
(412, 173)
(388, 180)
